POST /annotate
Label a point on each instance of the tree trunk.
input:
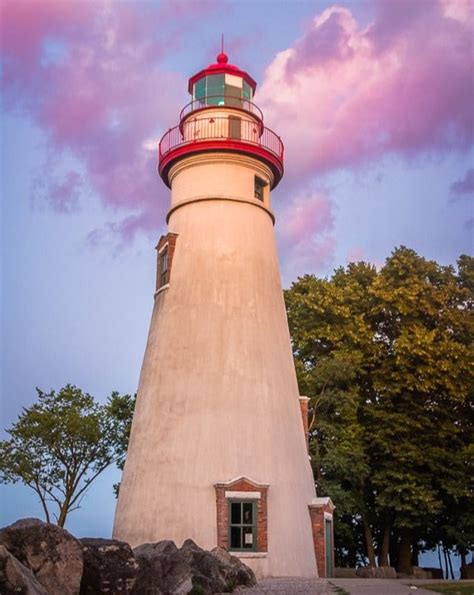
(462, 553)
(369, 542)
(415, 551)
(384, 548)
(446, 574)
(440, 562)
(404, 552)
(450, 565)
(393, 550)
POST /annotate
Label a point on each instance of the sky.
(373, 100)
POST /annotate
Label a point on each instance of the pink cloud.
(90, 75)
(304, 229)
(344, 95)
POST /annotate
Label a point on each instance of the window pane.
(236, 538)
(248, 513)
(247, 91)
(200, 88)
(235, 513)
(248, 538)
(215, 89)
(164, 261)
(259, 186)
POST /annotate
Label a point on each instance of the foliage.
(120, 409)
(60, 445)
(386, 358)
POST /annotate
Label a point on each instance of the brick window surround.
(320, 510)
(241, 488)
(166, 245)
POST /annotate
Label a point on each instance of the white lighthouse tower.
(218, 449)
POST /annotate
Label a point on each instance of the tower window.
(164, 267)
(259, 185)
(242, 525)
(165, 248)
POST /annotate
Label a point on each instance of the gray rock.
(16, 578)
(420, 573)
(436, 573)
(51, 553)
(161, 570)
(109, 567)
(165, 570)
(376, 572)
(238, 573)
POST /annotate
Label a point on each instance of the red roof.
(222, 67)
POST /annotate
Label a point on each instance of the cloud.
(90, 75)
(464, 186)
(304, 233)
(344, 95)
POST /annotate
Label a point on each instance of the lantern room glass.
(214, 89)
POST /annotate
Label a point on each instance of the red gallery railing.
(228, 130)
(216, 101)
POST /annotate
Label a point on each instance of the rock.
(467, 572)
(420, 573)
(376, 572)
(435, 573)
(161, 570)
(16, 578)
(344, 572)
(109, 567)
(239, 573)
(166, 569)
(51, 553)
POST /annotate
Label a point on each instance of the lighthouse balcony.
(231, 133)
(229, 101)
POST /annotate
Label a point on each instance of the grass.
(339, 590)
(451, 588)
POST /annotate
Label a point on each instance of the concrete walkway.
(353, 586)
(380, 586)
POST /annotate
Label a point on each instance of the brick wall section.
(317, 523)
(170, 239)
(222, 507)
(304, 415)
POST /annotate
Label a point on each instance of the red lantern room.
(221, 117)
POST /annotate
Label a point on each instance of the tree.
(59, 446)
(121, 408)
(385, 357)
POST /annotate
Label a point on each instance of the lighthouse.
(218, 446)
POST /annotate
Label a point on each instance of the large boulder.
(15, 578)
(376, 572)
(166, 569)
(236, 572)
(51, 553)
(435, 573)
(109, 567)
(161, 570)
(467, 572)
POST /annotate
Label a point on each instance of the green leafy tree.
(385, 357)
(59, 446)
(120, 409)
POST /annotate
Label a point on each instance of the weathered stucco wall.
(218, 396)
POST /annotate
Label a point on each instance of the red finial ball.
(222, 58)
